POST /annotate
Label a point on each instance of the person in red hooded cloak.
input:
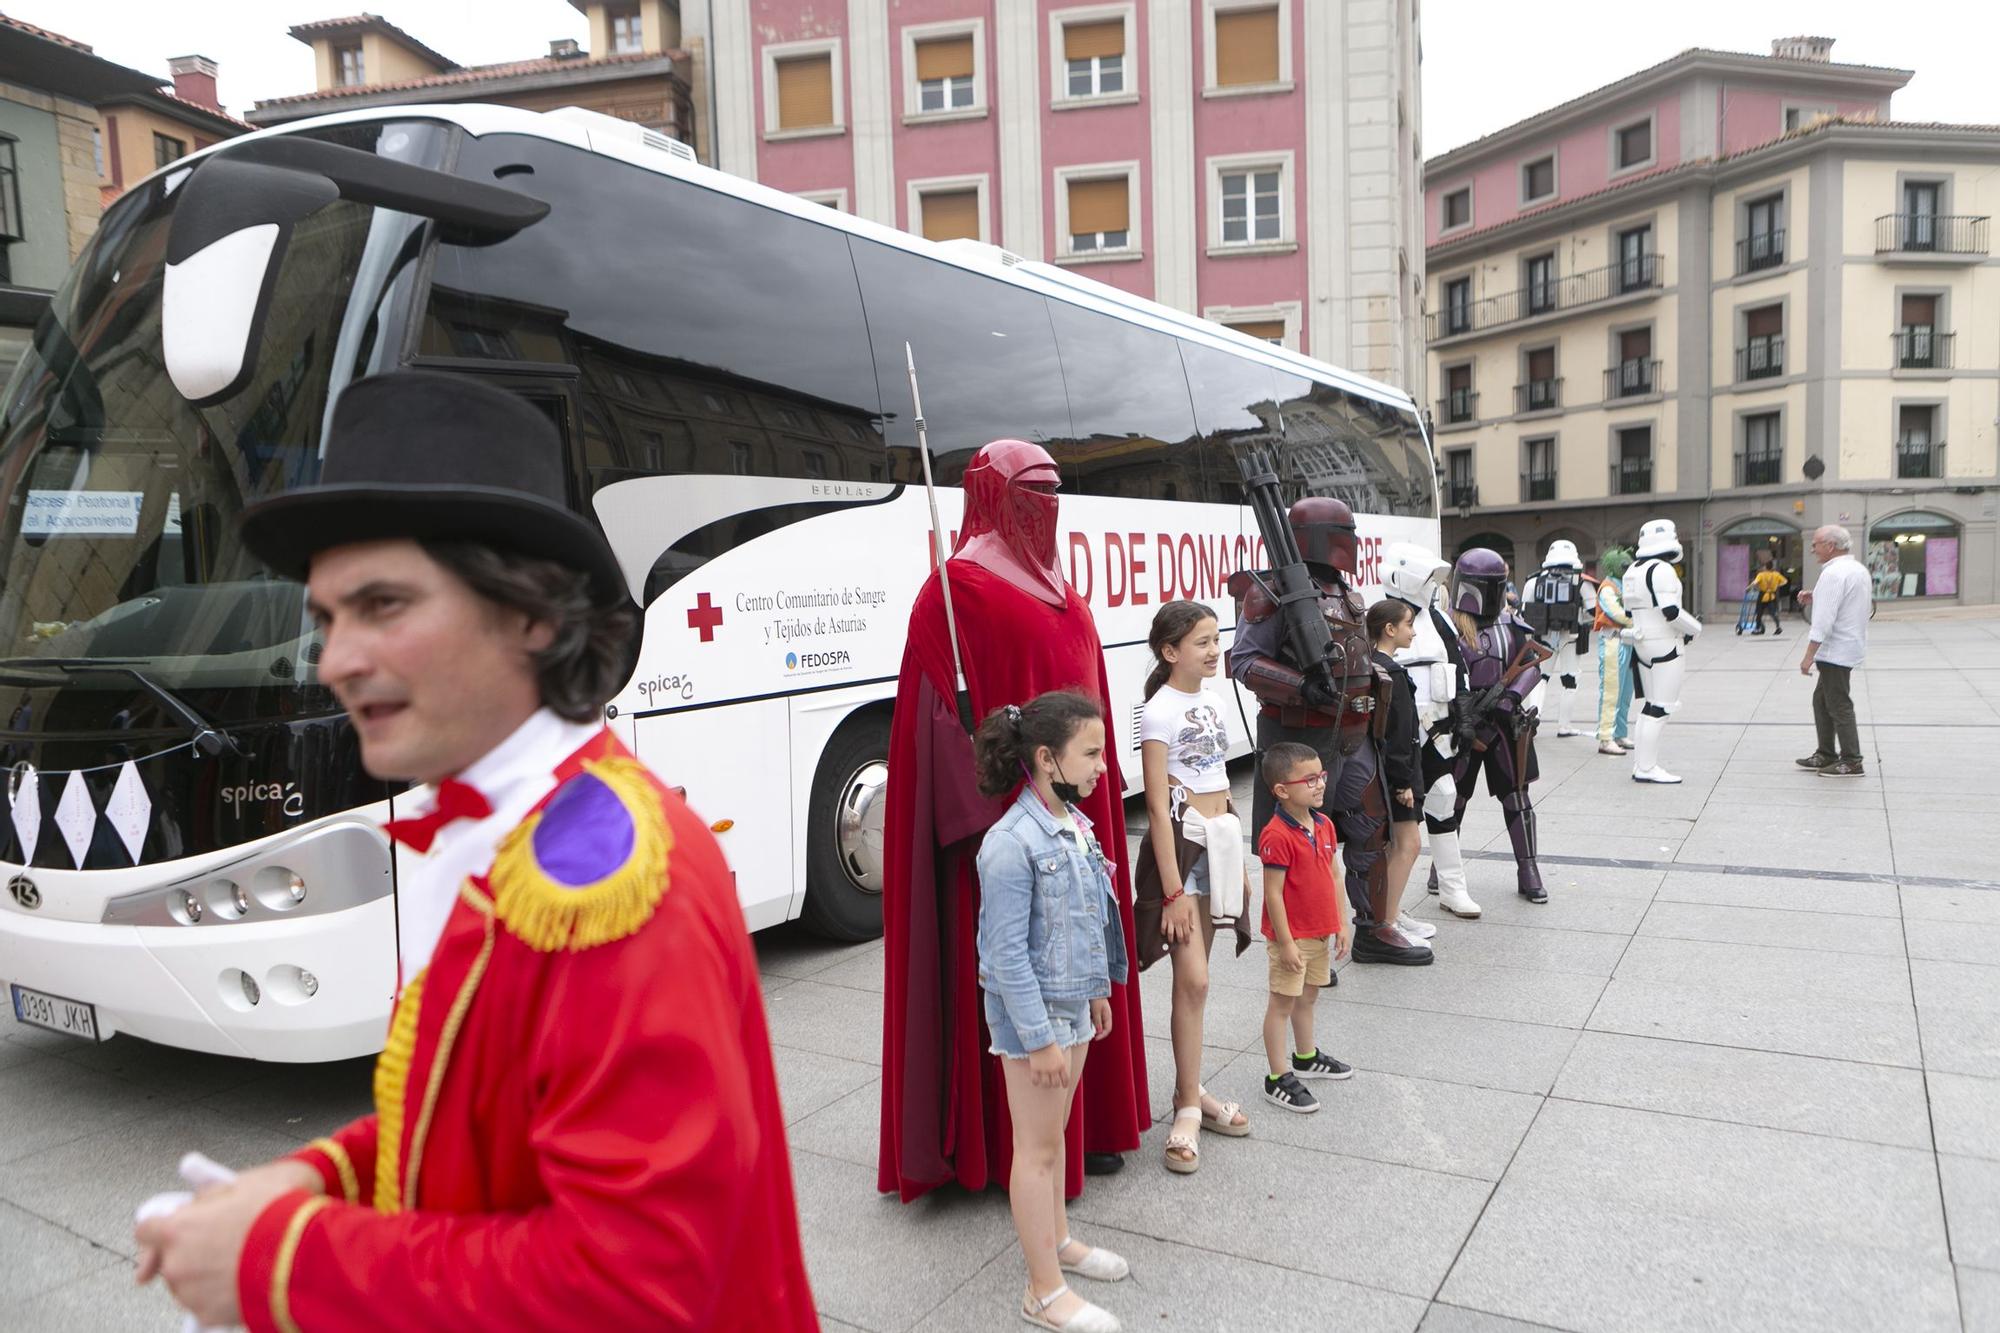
(1022, 630)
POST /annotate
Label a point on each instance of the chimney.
(1804, 48)
(194, 80)
(565, 48)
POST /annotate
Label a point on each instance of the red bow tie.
(455, 800)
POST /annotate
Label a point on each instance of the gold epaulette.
(589, 867)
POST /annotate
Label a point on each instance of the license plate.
(72, 1018)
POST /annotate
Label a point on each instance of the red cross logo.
(704, 615)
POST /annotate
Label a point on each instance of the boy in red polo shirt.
(1304, 928)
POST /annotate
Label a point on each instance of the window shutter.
(1082, 41)
(948, 217)
(946, 58)
(1098, 206)
(1270, 330)
(1635, 345)
(805, 92)
(1764, 321)
(1919, 310)
(1542, 364)
(1457, 378)
(1246, 46)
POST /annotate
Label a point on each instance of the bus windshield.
(118, 542)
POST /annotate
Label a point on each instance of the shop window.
(1913, 554)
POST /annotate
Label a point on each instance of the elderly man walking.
(1836, 643)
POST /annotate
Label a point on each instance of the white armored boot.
(1646, 752)
(1565, 697)
(1448, 874)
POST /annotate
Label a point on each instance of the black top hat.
(422, 455)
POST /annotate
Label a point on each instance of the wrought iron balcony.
(1762, 359)
(1631, 476)
(1760, 469)
(1632, 379)
(1922, 349)
(1458, 407)
(1543, 395)
(1917, 457)
(1627, 277)
(1537, 486)
(1760, 249)
(1930, 234)
(1462, 494)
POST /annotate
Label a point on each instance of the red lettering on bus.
(1185, 566)
(1135, 552)
(1117, 575)
(1079, 568)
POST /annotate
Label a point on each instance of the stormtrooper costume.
(1559, 604)
(1661, 629)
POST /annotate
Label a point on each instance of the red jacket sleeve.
(645, 1134)
(345, 1160)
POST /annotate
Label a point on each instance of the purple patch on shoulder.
(584, 834)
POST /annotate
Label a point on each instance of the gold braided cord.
(441, 1058)
(551, 917)
(392, 1077)
(288, 1252)
(343, 1166)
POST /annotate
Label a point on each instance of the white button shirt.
(1840, 602)
(513, 777)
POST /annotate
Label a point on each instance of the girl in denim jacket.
(1050, 945)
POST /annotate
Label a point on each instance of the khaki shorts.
(1318, 957)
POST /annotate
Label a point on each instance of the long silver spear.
(937, 527)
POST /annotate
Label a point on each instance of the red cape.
(944, 1103)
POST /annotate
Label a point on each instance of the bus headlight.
(185, 907)
(331, 868)
(279, 888)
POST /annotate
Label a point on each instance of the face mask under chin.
(1066, 792)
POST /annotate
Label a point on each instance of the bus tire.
(844, 832)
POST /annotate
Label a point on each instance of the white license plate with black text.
(72, 1018)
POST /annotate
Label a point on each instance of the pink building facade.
(1261, 155)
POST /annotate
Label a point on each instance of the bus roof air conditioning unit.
(597, 123)
(980, 252)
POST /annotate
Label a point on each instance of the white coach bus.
(190, 845)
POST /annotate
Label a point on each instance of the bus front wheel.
(844, 835)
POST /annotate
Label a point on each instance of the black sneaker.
(1320, 1065)
(1817, 761)
(1841, 768)
(1285, 1090)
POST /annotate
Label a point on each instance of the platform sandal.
(1183, 1150)
(1087, 1318)
(1226, 1122)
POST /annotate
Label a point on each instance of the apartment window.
(949, 215)
(625, 31)
(1763, 449)
(1633, 375)
(1457, 209)
(1458, 305)
(1251, 212)
(1542, 390)
(1763, 243)
(803, 91)
(347, 66)
(945, 68)
(10, 195)
(1917, 341)
(1635, 259)
(1538, 468)
(1633, 146)
(167, 149)
(1100, 216)
(1763, 354)
(1267, 330)
(1538, 179)
(1460, 401)
(1247, 46)
(1915, 439)
(1920, 215)
(1094, 58)
(1632, 468)
(1463, 491)
(1541, 284)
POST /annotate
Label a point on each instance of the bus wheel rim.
(862, 809)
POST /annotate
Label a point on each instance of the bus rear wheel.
(844, 833)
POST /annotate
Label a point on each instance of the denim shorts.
(1196, 880)
(1069, 1018)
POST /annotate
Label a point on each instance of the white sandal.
(1087, 1319)
(1097, 1265)
(1225, 1123)
(1185, 1142)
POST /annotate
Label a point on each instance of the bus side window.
(1132, 428)
(1235, 407)
(1349, 447)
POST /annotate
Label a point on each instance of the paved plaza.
(1741, 1072)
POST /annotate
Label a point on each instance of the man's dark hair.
(593, 649)
(1282, 758)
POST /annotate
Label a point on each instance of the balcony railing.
(1930, 233)
(1762, 359)
(1462, 494)
(1632, 476)
(1760, 249)
(1628, 276)
(1458, 407)
(1760, 469)
(1921, 349)
(1917, 457)
(1538, 395)
(1538, 486)
(1632, 379)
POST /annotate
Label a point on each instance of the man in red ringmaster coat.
(1022, 631)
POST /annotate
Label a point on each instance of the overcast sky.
(1486, 65)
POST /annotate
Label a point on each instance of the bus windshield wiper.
(209, 739)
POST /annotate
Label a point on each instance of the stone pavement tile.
(1482, 1052)
(1529, 947)
(1824, 931)
(1765, 790)
(1947, 861)
(1755, 969)
(44, 1103)
(1965, 1114)
(1776, 893)
(1859, 848)
(1979, 1298)
(1956, 986)
(1449, 1127)
(1961, 803)
(1575, 902)
(91, 1185)
(19, 1053)
(1582, 842)
(1707, 1225)
(1389, 1226)
(164, 1071)
(862, 971)
(1560, 999)
(1442, 1318)
(1961, 1041)
(40, 1257)
(810, 1081)
(1928, 902)
(105, 1299)
(792, 951)
(1182, 1286)
(303, 1101)
(1882, 1033)
(1873, 1103)
(1955, 942)
(828, 1325)
(848, 1129)
(1233, 1019)
(835, 1020)
(1972, 1208)
(880, 1264)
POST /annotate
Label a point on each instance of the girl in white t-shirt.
(1184, 746)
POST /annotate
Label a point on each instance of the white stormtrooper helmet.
(1562, 555)
(1409, 571)
(1658, 540)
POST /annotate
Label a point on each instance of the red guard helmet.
(1010, 517)
(1324, 529)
